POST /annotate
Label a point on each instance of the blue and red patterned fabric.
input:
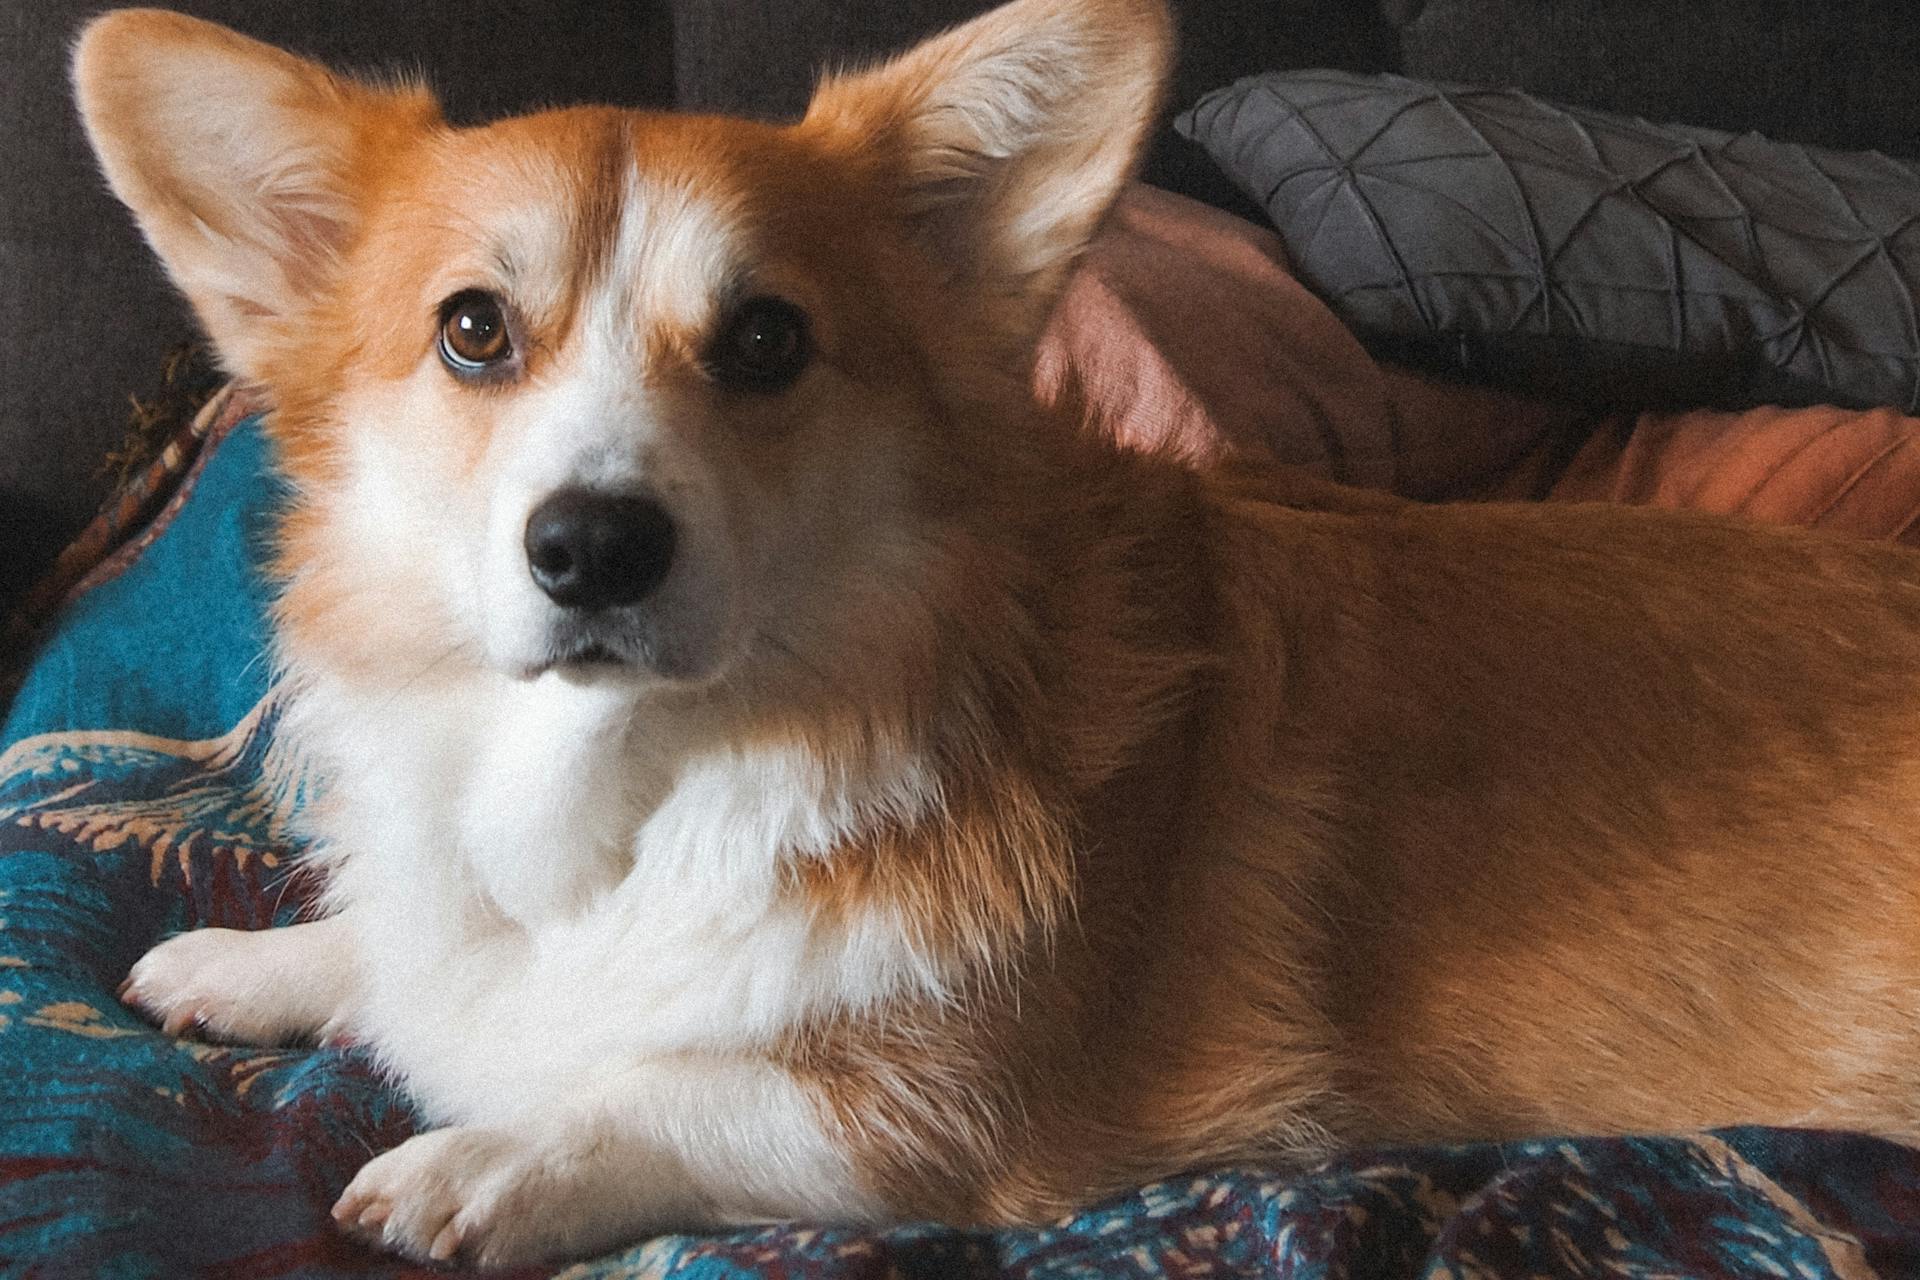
(141, 793)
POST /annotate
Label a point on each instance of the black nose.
(590, 550)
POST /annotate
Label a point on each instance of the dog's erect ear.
(1012, 135)
(240, 162)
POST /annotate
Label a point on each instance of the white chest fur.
(548, 887)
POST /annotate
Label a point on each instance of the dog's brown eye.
(473, 332)
(763, 346)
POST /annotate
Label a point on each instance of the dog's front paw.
(245, 988)
(492, 1199)
(438, 1193)
(475, 1194)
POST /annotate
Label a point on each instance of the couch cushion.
(1836, 74)
(1580, 252)
(750, 57)
(1242, 357)
(1856, 473)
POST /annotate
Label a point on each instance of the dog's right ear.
(1005, 141)
(241, 163)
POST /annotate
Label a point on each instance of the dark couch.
(90, 320)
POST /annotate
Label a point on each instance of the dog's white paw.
(236, 986)
(480, 1195)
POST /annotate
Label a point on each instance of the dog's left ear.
(1008, 139)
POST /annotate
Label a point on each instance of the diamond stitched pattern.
(1427, 209)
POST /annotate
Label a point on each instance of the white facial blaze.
(589, 421)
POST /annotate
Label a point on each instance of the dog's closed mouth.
(592, 654)
(589, 656)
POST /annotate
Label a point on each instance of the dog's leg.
(265, 987)
(684, 1144)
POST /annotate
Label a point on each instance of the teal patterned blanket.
(141, 793)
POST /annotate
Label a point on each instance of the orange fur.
(1271, 818)
(1447, 824)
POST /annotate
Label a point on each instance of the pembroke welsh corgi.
(770, 768)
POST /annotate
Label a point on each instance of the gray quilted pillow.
(1580, 252)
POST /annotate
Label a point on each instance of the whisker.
(456, 647)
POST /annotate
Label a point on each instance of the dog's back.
(1617, 815)
(1457, 823)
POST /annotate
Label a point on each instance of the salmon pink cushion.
(1185, 329)
(1852, 472)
